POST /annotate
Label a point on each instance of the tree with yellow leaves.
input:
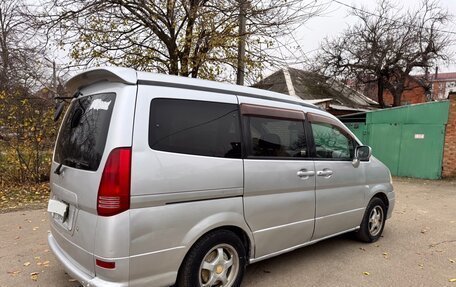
(196, 38)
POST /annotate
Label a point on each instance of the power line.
(379, 16)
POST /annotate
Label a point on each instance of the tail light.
(114, 191)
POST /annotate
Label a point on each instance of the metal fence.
(409, 139)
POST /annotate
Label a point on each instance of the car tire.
(216, 259)
(371, 228)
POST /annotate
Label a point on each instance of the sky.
(335, 19)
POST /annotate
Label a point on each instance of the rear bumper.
(75, 271)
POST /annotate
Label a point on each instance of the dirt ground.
(418, 249)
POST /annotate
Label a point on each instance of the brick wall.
(414, 94)
(449, 150)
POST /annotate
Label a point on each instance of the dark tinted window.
(195, 127)
(331, 142)
(270, 137)
(82, 138)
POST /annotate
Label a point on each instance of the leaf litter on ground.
(20, 196)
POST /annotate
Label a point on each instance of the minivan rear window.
(195, 127)
(82, 137)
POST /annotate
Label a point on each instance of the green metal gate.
(385, 140)
(421, 157)
(359, 129)
(409, 139)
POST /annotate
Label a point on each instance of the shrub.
(27, 133)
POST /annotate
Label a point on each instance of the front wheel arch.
(373, 222)
(384, 198)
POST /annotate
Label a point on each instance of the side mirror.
(362, 153)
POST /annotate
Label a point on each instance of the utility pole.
(241, 47)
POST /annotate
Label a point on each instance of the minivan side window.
(275, 137)
(195, 127)
(331, 142)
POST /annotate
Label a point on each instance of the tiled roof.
(440, 76)
(313, 86)
(445, 76)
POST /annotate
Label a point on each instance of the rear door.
(95, 123)
(279, 186)
(340, 187)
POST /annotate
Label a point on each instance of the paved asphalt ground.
(418, 249)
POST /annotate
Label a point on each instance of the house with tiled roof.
(330, 94)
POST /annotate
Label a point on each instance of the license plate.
(58, 209)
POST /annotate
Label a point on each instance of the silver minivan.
(160, 180)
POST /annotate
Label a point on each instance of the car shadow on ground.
(336, 250)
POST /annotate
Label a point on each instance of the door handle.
(324, 172)
(305, 173)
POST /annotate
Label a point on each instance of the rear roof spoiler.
(132, 77)
(111, 74)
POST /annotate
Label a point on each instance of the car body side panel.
(176, 197)
(279, 205)
(162, 235)
(378, 176)
(339, 197)
(392, 202)
(160, 172)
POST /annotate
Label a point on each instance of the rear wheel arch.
(231, 229)
(227, 220)
(241, 233)
(246, 241)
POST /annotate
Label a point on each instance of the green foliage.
(27, 133)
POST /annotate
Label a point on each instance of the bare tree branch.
(387, 45)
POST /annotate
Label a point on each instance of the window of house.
(272, 137)
(195, 127)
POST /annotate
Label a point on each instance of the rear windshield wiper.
(73, 163)
(61, 104)
(75, 95)
(76, 163)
